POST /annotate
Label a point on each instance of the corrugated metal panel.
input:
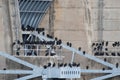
(32, 11)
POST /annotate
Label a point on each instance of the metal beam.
(16, 72)
(8, 56)
(96, 71)
(89, 56)
(41, 12)
(28, 77)
(105, 77)
(76, 51)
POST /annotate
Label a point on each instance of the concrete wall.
(5, 33)
(111, 18)
(70, 24)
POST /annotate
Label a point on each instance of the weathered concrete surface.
(111, 19)
(5, 33)
(70, 24)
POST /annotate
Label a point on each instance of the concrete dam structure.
(59, 40)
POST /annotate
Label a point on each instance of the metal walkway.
(33, 11)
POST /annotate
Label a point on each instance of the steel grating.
(33, 11)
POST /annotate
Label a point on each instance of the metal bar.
(19, 1)
(24, 19)
(89, 56)
(41, 12)
(40, 8)
(22, 8)
(18, 60)
(96, 71)
(40, 19)
(25, 3)
(28, 77)
(105, 77)
(73, 54)
(33, 8)
(21, 4)
(41, 0)
(16, 72)
(78, 52)
(39, 4)
(32, 4)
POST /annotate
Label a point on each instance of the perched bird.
(87, 67)
(52, 54)
(29, 54)
(113, 54)
(102, 43)
(53, 65)
(49, 64)
(84, 52)
(107, 54)
(17, 53)
(48, 35)
(46, 54)
(113, 45)
(56, 38)
(57, 42)
(117, 65)
(65, 64)
(78, 64)
(35, 53)
(68, 43)
(101, 54)
(60, 42)
(23, 28)
(70, 65)
(96, 54)
(93, 44)
(44, 66)
(105, 59)
(39, 30)
(18, 48)
(74, 64)
(79, 48)
(4, 69)
(94, 49)
(21, 43)
(106, 49)
(43, 33)
(118, 44)
(107, 43)
(18, 42)
(103, 69)
(96, 44)
(118, 54)
(61, 65)
(53, 42)
(13, 44)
